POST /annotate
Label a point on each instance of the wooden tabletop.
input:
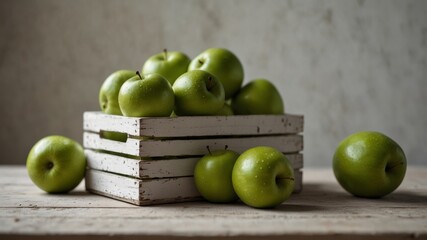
(321, 211)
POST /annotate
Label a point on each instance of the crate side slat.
(285, 144)
(298, 181)
(187, 147)
(94, 141)
(154, 168)
(98, 121)
(112, 163)
(144, 192)
(149, 192)
(122, 187)
(222, 125)
(168, 190)
(195, 125)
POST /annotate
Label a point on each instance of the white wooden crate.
(155, 164)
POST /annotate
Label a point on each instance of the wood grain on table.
(321, 211)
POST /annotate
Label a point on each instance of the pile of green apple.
(170, 84)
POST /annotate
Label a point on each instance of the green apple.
(116, 136)
(56, 164)
(109, 92)
(369, 164)
(198, 92)
(263, 177)
(225, 111)
(224, 65)
(259, 96)
(108, 99)
(170, 65)
(146, 96)
(212, 175)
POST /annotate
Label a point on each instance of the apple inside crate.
(155, 165)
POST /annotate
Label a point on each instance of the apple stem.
(209, 150)
(200, 61)
(387, 168)
(50, 165)
(165, 51)
(139, 75)
(226, 147)
(210, 84)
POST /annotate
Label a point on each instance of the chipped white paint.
(141, 192)
(186, 147)
(150, 191)
(195, 125)
(158, 168)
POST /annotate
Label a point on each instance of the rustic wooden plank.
(322, 210)
(187, 147)
(158, 168)
(200, 219)
(150, 191)
(195, 125)
(141, 192)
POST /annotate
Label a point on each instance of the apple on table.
(263, 177)
(369, 164)
(212, 176)
(56, 164)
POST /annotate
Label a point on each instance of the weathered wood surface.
(321, 211)
(195, 125)
(157, 168)
(186, 147)
(141, 192)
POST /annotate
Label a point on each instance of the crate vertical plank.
(154, 168)
(183, 147)
(298, 180)
(195, 125)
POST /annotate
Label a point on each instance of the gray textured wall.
(346, 65)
